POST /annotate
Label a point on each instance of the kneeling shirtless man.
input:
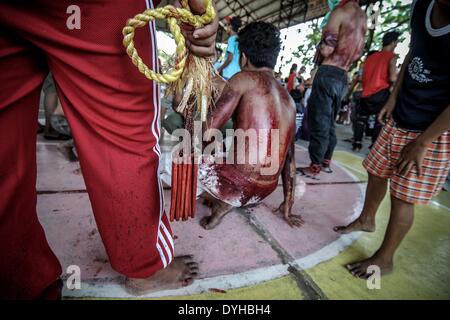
(258, 104)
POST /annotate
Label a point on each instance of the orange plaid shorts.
(411, 188)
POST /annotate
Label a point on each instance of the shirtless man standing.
(257, 103)
(342, 44)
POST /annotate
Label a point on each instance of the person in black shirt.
(413, 149)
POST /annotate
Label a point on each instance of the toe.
(187, 259)
(193, 266)
(356, 272)
(352, 266)
(187, 282)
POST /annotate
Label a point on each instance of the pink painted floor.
(233, 247)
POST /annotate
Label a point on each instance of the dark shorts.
(374, 103)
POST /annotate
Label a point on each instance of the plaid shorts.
(411, 188)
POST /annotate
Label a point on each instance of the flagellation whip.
(190, 77)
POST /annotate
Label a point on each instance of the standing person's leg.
(332, 141)
(50, 104)
(400, 222)
(27, 264)
(375, 193)
(380, 169)
(339, 89)
(320, 116)
(406, 191)
(359, 126)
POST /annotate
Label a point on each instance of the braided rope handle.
(174, 17)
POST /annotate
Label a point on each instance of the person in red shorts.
(113, 112)
(413, 149)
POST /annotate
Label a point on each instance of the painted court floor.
(254, 254)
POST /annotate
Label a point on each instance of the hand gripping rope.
(191, 76)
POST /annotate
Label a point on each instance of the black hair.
(390, 37)
(260, 41)
(235, 24)
(293, 68)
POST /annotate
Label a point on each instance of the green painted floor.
(421, 265)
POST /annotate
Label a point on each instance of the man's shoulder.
(241, 81)
(351, 8)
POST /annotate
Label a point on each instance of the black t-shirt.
(425, 92)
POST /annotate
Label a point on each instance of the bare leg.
(50, 104)
(401, 220)
(219, 210)
(180, 273)
(375, 192)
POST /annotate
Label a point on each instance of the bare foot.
(359, 269)
(357, 225)
(180, 273)
(219, 210)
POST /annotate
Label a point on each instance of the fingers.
(197, 6)
(201, 42)
(201, 50)
(406, 168)
(401, 164)
(294, 221)
(380, 117)
(419, 168)
(207, 31)
(384, 116)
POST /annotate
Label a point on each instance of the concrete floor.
(254, 254)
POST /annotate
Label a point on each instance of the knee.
(404, 210)
(397, 202)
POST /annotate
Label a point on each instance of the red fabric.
(113, 112)
(376, 73)
(291, 81)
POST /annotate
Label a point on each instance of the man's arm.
(226, 104)
(226, 62)
(386, 113)
(353, 85)
(201, 42)
(331, 33)
(393, 70)
(414, 153)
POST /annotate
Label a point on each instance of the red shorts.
(411, 188)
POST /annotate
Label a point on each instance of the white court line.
(102, 289)
(113, 289)
(440, 205)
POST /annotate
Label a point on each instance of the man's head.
(302, 70)
(259, 44)
(233, 24)
(390, 39)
